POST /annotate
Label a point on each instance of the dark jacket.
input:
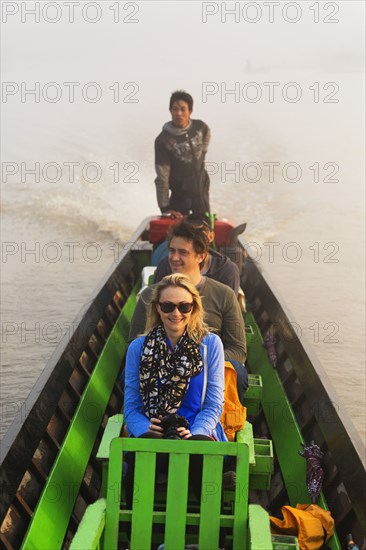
(179, 161)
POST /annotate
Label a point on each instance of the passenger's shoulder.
(199, 123)
(161, 138)
(164, 262)
(220, 261)
(218, 287)
(211, 338)
(137, 343)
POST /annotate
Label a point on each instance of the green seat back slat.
(176, 506)
(113, 494)
(210, 502)
(143, 497)
(52, 514)
(241, 497)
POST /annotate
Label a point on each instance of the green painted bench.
(260, 453)
(246, 526)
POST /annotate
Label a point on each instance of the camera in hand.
(170, 423)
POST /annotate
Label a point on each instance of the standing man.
(182, 183)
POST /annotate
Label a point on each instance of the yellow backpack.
(234, 413)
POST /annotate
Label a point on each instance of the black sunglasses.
(183, 307)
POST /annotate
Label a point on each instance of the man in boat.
(216, 266)
(182, 183)
(188, 249)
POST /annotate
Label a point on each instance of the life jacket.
(312, 525)
(234, 413)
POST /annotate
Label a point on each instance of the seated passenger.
(187, 250)
(216, 266)
(177, 367)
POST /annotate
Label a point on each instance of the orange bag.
(234, 413)
(308, 522)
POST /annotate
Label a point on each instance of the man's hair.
(181, 95)
(197, 236)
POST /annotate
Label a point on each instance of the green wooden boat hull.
(49, 471)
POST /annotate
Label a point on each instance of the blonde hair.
(196, 327)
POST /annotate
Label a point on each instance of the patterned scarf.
(165, 375)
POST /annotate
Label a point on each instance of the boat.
(50, 470)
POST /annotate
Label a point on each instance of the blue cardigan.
(204, 414)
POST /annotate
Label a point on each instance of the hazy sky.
(138, 52)
(158, 42)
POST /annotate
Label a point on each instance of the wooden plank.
(259, 529)
(143, 501)
(114, 492)
(180, 447)
(241, 497)
(111, 431)
(176, 506)
(90, 530)
(246, 436)
(211, 501)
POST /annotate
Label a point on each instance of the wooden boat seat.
(260, 454)
(248, 525)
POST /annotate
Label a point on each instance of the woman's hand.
(155, 426)
(184, 433)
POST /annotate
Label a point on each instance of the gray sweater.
(222, 314)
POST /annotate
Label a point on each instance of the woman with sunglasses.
(177, 367)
